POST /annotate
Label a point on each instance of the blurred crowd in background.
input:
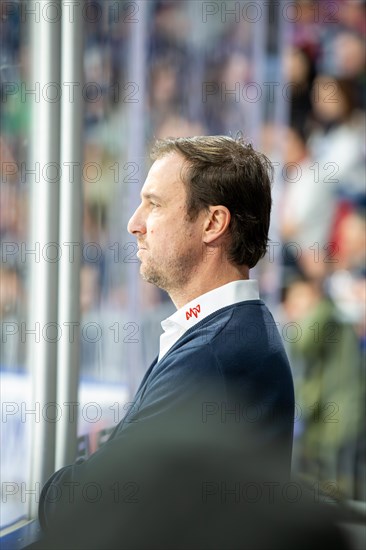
(318, 252)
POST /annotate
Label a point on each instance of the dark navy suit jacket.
(228, 373)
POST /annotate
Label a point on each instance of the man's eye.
(153, 204)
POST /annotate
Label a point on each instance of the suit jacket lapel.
(137, 398)
(146, 376)
(142, 387)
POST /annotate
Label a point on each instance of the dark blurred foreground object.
(201, 488)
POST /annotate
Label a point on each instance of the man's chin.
(152, 278)
(148, 277)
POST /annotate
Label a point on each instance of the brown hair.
(227, 171)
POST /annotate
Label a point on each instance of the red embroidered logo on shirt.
(193, 311)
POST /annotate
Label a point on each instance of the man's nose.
(136, 223)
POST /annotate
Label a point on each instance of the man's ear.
(216, 223)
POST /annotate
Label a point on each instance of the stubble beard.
(170, 274)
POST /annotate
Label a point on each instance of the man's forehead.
(171, 162)
(164, 176)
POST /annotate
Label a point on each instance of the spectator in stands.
(304, 221)
(329, 389)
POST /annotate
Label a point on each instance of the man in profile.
(221, 380)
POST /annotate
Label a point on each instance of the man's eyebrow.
(150, 196)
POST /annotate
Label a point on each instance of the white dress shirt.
(199, 308)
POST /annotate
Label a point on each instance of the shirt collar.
(202, 306)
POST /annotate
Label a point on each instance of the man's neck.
(208, 280)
